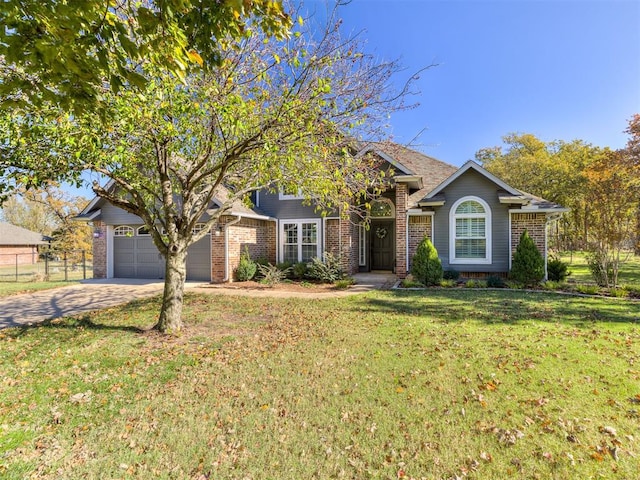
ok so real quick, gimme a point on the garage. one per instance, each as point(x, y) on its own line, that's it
point(135, 256)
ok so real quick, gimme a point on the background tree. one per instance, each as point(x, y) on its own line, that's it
point(274, 114)
point(633, 153)
point(613, 191)
point(51, 211)
point(69, 52)
point(554, 171)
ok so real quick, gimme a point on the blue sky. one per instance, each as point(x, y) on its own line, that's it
point(561, 70)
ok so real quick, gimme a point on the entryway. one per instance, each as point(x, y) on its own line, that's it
point(382, 236)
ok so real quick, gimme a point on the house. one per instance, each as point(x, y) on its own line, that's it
point(473, 218)
point(19, 246)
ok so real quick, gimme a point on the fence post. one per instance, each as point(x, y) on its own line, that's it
point(66, 270)
point(46, 265)
point(84, 265)
point(16, 267)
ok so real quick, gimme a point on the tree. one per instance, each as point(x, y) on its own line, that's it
point(613, 191)
point(632, 151)
point(50, 211)
point(527, 266)
point(426, 266)
point(552, 170)
point(67, 51)
point(274, 115)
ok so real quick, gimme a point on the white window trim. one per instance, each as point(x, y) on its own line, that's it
point(286, 196)
point(123, 231)
point(143, 227)
point(452, 233)
point(362, 245)
point(299, 222)
point(389, 202)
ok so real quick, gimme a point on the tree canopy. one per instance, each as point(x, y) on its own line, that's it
point(73, 52)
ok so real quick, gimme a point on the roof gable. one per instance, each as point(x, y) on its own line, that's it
point(471, 165)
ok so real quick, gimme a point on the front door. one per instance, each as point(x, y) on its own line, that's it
point(382, 244)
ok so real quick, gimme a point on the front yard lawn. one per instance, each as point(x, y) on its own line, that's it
point(14, 288)
point(431, 384)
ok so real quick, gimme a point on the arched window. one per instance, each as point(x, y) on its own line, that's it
point(123, 231)
point(143, 231)
point(382, 208)
point(470, 231)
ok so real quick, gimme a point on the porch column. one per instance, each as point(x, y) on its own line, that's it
point(402, 198)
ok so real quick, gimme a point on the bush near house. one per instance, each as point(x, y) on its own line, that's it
point(528, 265)
point(426, 267)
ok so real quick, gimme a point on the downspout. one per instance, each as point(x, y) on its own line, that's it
point(406, 243)
point(226, 247)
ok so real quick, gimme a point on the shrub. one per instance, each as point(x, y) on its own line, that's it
point(408, 283)
point(619, 292)
point(494, 281)
point(271, 274)
point(551, 285)
point(601, 268)
point(451, 275)
point(344, 283)
point(471, 284)
point(528, 265)
point(448, 283)
point(299, 270)
point(588, 289)
point(426, 267)
point(246, 268)
point(327, 270)
point(557, 270)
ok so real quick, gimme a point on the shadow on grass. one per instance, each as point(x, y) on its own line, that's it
point(501, 307)
point(70, 324)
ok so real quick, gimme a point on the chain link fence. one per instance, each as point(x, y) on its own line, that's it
point(47, 266)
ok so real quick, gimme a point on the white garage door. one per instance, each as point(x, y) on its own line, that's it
point(135, 256)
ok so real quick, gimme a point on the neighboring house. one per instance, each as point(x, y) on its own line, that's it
point(473, 218)
point(19, 246)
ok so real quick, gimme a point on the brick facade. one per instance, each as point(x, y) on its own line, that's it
point(534, 223)
point(348, 245)
point(99, 250)
point(419, 227)
point(402, 197)
point(332, 236)
point(258, 236)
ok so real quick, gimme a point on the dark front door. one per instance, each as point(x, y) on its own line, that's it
point(382, 244)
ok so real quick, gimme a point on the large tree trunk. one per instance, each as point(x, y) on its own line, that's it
point(175, 275)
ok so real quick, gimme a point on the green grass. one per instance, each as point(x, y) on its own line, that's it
point(13, 288)
point(432, 384)
point(629, 269)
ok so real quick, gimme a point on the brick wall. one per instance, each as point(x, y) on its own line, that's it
point(348, 245)
point(332, 236)
point(419, 227)
point(258, 236)
point(99, 250)
point(402, 195)
point(534, 223)
point(23, 255)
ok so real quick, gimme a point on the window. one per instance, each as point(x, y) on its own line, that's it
point(198, 227)
point(123, 231)
point(299, 241)
point(295, 194)
point(143, 231)
point(470, 231)
point(382, 208)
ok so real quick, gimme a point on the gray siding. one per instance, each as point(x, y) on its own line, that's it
point(116, 216)
point(271, 205)
point(473, 183)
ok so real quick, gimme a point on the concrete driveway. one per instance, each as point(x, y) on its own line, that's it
point(29, 308)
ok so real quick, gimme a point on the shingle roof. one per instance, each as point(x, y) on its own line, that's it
point(13, 235)
point(432, 171)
